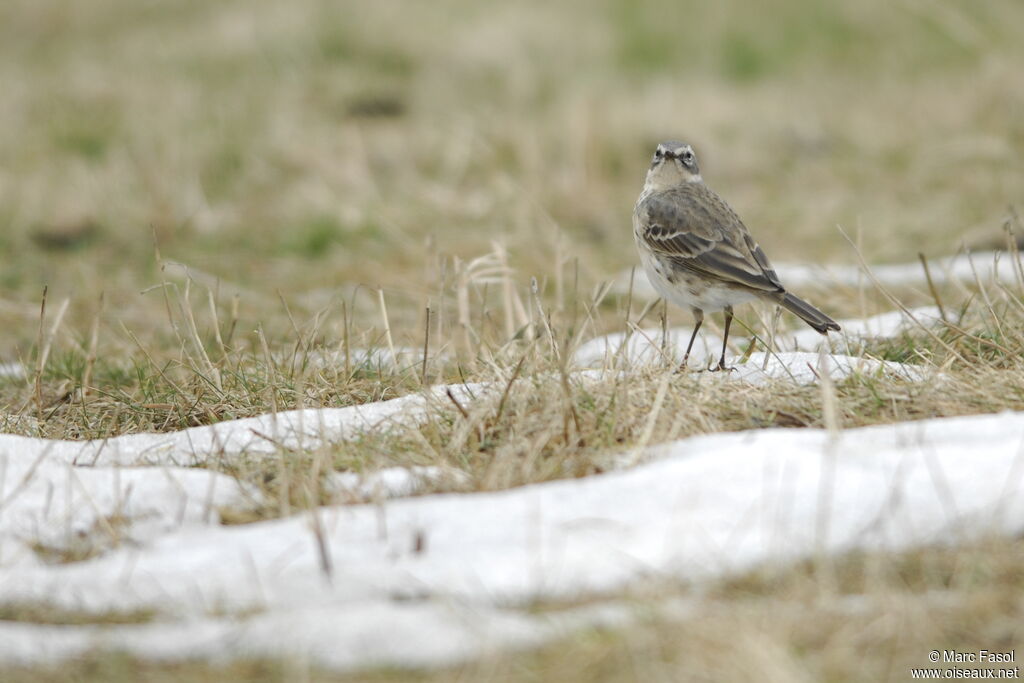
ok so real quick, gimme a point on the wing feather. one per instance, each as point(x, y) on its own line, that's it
point(694, 228)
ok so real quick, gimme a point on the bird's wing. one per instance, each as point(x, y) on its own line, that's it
point(696, 229)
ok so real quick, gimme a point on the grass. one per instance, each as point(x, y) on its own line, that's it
point(537, 427)
point(42, 613)
point(203, 202)
point(105, 534)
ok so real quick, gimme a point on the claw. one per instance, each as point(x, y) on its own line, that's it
point(682, 366)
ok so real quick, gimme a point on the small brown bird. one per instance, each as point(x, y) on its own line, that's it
point(696, 251)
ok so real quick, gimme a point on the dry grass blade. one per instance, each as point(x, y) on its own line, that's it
point(896, 302)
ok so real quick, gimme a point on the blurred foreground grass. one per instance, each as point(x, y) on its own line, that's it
point(868, 617)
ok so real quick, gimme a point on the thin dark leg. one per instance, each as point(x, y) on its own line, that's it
point(698, 317)
point(725, 338)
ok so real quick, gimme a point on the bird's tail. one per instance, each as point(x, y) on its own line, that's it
point(809, 314)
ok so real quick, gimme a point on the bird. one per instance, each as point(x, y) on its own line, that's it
point(696, 251)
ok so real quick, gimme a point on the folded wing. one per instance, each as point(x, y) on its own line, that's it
point(694, 228)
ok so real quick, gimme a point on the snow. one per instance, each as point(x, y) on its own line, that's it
point(62, 508)
point(265, 434)
point(435, 579)
point(388, 482)
point(806, 368)
point(985, 266)
point(394, 577)
point(12, 371)
point(854, 330)
point(66, 496)
point(644, 347)
point(365, 358)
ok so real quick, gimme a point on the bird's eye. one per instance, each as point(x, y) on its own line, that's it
point(658, 153)
point(688, 158)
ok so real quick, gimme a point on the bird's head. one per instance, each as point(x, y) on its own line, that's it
point(674, 163)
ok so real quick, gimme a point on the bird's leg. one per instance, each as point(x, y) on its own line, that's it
point(725, 337)
point(698, 316)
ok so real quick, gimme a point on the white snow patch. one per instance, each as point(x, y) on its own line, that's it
point(269, 433)
point(12, 370)
point(438, 578)
point(335, 636)
point(59, 507)
point(989, 266)
point(806, 368)
point(368, 359)
point(67, 496)
point(986, 266)
point(856, 330)
point(389, 482)
point(646, 347)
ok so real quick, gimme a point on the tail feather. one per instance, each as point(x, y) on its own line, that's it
point(809, 314)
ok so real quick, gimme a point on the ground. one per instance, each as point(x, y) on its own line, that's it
point(213, 211)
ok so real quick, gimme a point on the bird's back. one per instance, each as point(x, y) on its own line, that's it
point(696, 229)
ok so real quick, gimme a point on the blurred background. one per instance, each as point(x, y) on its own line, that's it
point(307, 151)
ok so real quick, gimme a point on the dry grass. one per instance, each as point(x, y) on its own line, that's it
point(217, 197)
point(238, 139)
point(106, 534)
point(534, 421)
point(42, 613)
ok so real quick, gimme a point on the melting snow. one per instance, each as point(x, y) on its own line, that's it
point(984, 266)
point(294, 429)
point(645, 347)
point(435, 579)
